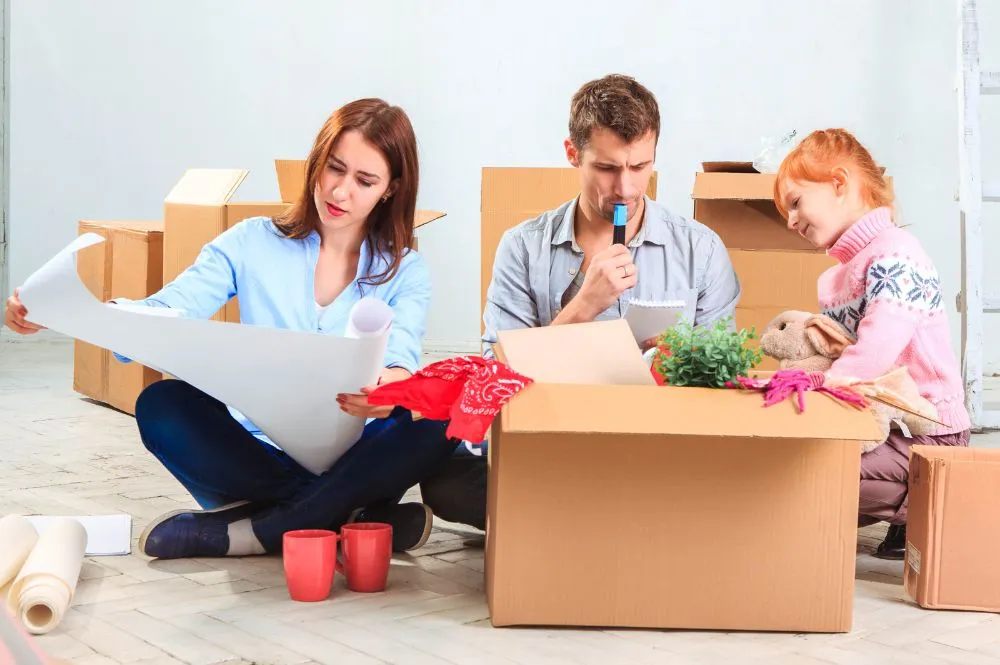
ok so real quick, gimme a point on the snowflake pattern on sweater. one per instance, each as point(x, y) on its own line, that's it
point(892, 280)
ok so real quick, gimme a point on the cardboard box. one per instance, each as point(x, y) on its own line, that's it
point(952, 548)
point(778, 269)
point(614, 502)
point(511, 195)
point(199, 208)
point(128, 264)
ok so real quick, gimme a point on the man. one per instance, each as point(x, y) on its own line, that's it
point(561, 267)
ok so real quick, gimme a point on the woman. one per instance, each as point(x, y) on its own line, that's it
point(348, 236)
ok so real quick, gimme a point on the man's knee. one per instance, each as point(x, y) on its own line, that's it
point(457, 491)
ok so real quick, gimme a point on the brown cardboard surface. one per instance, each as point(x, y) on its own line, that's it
point(785, 279)
point(511, 195)
point(93, 264)
point(660, 531)
point(662, 507)
point(773, 282)
point(199, 208)
point(129, 264)
point(951, 549)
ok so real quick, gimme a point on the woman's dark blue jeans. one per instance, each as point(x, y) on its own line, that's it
point(219, 462)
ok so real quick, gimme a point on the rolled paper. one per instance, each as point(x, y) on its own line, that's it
point(17, 538)
point(43, 590)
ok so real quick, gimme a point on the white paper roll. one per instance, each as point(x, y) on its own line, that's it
point(370, 317)
point(17, 538)
point(44, 588)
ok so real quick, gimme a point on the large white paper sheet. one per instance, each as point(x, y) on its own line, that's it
point(286, 382)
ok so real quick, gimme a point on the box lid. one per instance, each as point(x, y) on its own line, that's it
point(591, 378)
point(738, 181)
point(291, 178)
point(208, 187)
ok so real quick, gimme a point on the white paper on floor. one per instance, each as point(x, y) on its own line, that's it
point(286, 382)
point(107, 535)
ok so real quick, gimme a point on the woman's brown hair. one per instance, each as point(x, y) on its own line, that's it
point(389, 228)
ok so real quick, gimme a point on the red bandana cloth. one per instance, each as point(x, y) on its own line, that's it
point(469, 391)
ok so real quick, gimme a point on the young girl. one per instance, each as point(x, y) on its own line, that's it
point(887, 292)
point(346, 237)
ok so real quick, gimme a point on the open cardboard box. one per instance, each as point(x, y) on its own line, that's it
point(615, 502)
point(200, 207)
point(778, 269)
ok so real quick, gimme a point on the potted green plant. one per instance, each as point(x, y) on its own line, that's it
point(706, 356)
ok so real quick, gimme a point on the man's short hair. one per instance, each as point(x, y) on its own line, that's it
point(616, 102)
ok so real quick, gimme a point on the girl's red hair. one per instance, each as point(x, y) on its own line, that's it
point(815, 158)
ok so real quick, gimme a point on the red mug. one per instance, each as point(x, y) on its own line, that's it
point(366, 548)
point(310, 561)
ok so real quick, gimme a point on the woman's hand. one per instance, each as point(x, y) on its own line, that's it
point(13, 316)
point(357, 404)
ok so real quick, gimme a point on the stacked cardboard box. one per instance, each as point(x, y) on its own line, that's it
point(778, 269)
point(128, 264)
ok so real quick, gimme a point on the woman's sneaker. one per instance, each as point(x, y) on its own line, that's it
point(411, 523)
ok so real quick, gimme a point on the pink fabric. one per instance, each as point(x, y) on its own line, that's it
point(887, 292)
point(783, 383)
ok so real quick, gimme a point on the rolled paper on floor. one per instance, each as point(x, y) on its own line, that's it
point(17, 538)
point(44, 588)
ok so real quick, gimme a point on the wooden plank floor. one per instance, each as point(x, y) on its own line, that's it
point(61, 454)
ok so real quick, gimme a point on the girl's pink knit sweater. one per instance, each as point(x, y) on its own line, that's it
point(887, 292)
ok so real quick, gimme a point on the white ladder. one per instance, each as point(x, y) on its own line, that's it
point(972, 84)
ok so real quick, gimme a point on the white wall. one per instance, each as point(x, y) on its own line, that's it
point(112, 100)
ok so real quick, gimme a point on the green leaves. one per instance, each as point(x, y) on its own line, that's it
point(705, 356)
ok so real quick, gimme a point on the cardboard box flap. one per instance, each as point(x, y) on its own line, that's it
point(291, 179)
point(695, 412)
point(426, 217)
point(735, 185)
point(209, 187)
point(598, 353)
point(728, 167)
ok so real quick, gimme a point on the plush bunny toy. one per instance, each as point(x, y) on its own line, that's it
point(811, 342)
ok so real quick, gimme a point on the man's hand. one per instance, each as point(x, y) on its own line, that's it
point(357, 404)
point(611, 272)
point(13, 316)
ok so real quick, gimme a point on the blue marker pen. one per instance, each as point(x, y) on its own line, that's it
point(620, 219)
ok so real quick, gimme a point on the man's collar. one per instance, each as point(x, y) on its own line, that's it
point(653, 230)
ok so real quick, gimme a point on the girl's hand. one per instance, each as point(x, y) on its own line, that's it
point(357, 404)
point(13, 316)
